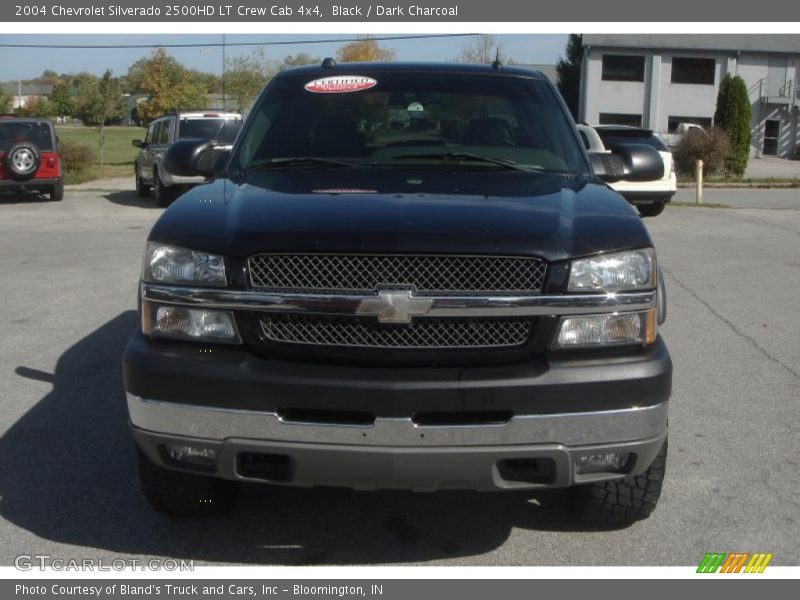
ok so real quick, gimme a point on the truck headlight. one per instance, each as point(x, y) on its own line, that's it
point(183, 323)
point(616, 272)
point(614, 329)
point(172, 264)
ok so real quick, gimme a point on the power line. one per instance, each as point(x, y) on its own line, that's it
point(230, 44)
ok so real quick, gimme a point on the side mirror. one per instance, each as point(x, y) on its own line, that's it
point(137, 143)
point(194, 157)
point(629, 162)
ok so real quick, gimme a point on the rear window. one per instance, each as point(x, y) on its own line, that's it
point(38, 134)
point(221, 130)
point(648, 138)
point(406, 118)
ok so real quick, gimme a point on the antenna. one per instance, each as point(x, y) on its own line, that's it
point(497, 64)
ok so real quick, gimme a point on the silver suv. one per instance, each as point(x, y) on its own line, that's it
point(220, 127)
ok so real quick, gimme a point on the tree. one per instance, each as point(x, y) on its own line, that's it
point(483, 49)
point(298, 60)
point(569, 73)
point(733, 117)
point(100, 101)
point(365, 49)
point(61, 99)
point(168, 88)
point(245, 76)
point(168, 66)
point(37, 107)
point(48, 77)
point(6, 102)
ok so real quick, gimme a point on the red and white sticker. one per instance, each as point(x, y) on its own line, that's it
point(340, 84)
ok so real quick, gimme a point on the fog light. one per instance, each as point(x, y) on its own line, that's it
point(598, 463)
point(607, 330)
point(189, 323)
point(192, 454)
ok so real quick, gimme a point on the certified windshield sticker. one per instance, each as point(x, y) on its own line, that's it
point(341, 84)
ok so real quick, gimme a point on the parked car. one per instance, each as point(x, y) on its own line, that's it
point(403, 276)
point(220, 127)
point(649, 197)
point(671, 140)
point(29, 159)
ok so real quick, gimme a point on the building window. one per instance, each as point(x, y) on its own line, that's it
point(621, 67)
point(699, 71)
point(620, 119)
point(673, 122)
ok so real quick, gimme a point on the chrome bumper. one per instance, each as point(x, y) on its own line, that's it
point(571, 429)
point(396, 453)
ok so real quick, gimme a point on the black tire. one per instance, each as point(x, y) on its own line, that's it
point(164, 195)
point(651, 210)
point(624, 501)
point(22, 160)
point(57, 192)
point(142, 189)
point(184, 494)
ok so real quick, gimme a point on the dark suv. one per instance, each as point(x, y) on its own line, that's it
point(29, 159)
point(403, 276)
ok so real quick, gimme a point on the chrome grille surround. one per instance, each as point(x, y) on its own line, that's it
point(421, 334)
point(427, 275)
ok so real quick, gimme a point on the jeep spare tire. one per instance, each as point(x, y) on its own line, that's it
point(22, 160)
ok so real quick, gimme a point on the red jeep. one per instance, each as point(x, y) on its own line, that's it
point(29, 159)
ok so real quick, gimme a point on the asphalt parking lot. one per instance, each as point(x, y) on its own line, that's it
point(68, 485)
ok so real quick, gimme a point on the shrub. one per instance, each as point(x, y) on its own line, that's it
point(712, 147)
point(76, 160)
point(733, 115)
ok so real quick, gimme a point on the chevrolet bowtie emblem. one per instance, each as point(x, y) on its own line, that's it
point(394, 306)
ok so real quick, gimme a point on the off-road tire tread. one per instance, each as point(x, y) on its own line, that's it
point(624, 501)
point(180, 494)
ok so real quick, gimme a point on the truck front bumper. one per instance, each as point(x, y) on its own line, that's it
point(257, 418)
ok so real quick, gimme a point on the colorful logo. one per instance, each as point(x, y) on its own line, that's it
point(735, 562)
point(340, 84)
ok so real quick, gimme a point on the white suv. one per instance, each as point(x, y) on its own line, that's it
point(221, 127)
point(649, 197)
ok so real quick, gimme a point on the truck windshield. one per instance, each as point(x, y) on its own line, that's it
point(399, 119)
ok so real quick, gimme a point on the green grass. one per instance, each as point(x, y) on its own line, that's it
point(745, 182)
point(695, 205)
point(118, 154)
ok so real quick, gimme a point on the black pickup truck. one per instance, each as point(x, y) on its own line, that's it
point(405, 276)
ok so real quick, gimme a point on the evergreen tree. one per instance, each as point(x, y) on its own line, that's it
point(569, 73)
point(733, 116)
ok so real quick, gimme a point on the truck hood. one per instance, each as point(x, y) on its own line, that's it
point(354, 210)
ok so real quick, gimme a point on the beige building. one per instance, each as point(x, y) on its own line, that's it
point(658, 81)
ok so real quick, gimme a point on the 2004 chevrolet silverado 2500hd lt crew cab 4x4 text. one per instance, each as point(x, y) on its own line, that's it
point(406, 276)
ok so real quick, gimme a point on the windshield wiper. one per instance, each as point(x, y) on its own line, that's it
point(464, 157)
point(298, 161)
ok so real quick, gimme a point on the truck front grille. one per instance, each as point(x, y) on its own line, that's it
point(421, 334)
point(426, 274)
